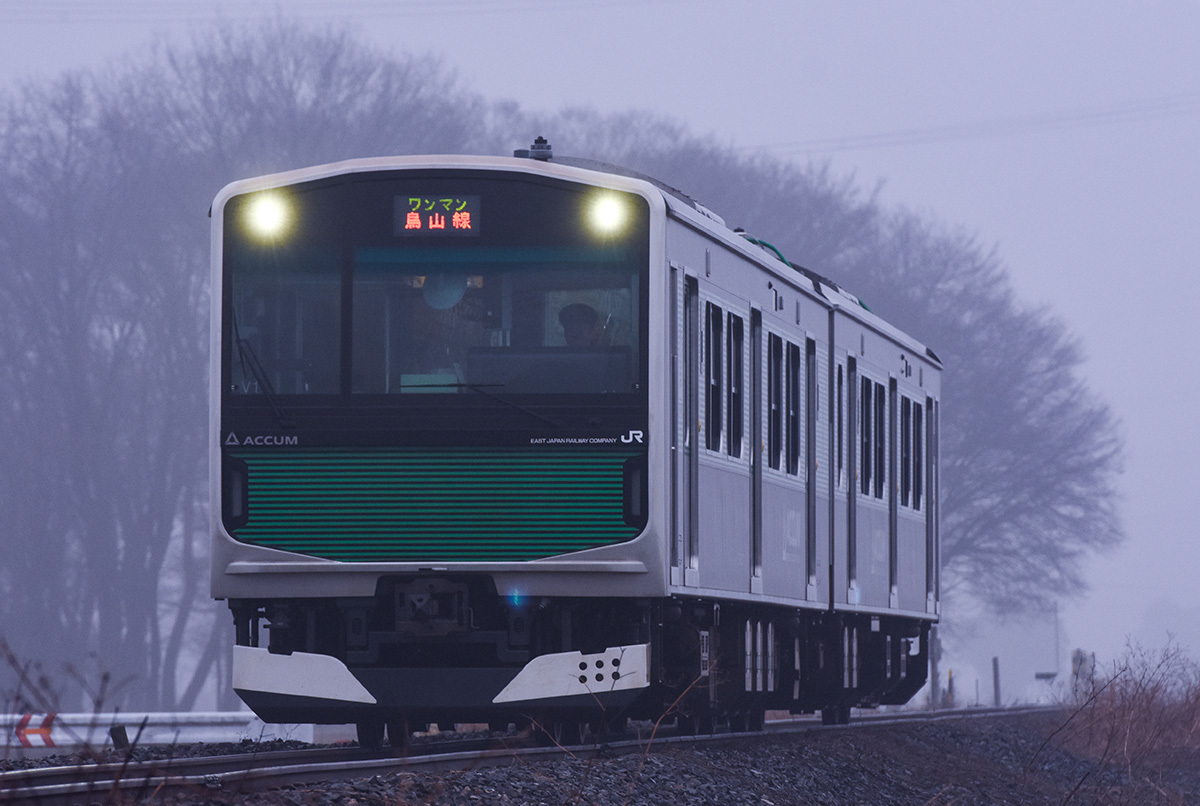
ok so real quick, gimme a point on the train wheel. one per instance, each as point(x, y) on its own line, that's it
point(606, 728)
point(571, 732)
point(370, 734)
point(697, 724)
point(689, 724)
point(562, 733)
point(748, 721)
point(398, 734)
point(835, 714)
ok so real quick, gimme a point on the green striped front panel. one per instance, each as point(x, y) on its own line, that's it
point(435, 505)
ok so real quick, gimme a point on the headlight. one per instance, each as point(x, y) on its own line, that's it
point(608, 214)
point(268, 216)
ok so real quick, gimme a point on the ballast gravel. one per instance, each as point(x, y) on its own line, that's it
point(1006, 760)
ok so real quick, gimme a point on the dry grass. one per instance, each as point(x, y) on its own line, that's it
point(1140, 717)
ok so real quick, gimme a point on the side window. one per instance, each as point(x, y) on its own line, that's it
point(840, 463)
point(713, 319)
point(918, 455)
point(793, 409)
point(812, 407)
point(736, 377)
point(905, 450)
point(866, 420)
point(774, 400)
point(880, 439)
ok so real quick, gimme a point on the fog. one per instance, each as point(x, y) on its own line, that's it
point(1063, 134)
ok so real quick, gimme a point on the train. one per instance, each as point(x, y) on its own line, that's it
point(541, 441)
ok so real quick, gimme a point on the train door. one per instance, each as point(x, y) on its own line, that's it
point(685, 556)
point(723, 491)
point(835, 516)
point(710, 469)
point(811, 406)
point(756, 449)
point(913, 564)
point(872, 534)
point(893, 499)
point(930, 475)
point(852, 459)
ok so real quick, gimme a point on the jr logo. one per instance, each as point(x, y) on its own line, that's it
point(632, 437)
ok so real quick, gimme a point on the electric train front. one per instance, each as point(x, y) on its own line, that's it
point(431, 440)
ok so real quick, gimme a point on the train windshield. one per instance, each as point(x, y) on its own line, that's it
point(436, 283)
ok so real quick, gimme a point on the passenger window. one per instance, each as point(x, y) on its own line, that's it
point(774, 400)
point(839, 425)
point(793, 409)
point(880, 439)
point(905, 449)
point(918, 455)
point(735, 381)
point(812, 407)
point(712, 373)
point(865, 425)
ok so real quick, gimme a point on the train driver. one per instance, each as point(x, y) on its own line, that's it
point(581, 325)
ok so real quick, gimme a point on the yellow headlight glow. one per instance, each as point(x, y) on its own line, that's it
point(268, 216)
point(607, 214)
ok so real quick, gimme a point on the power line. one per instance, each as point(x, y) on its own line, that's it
point(173, 11)
point(1144, 109)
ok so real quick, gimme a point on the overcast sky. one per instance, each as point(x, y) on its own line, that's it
point(1065, 133)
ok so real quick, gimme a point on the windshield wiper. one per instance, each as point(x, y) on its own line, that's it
point(249, 357)
point(483, 391)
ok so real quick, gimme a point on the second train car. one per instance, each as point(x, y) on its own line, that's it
point(540, 440)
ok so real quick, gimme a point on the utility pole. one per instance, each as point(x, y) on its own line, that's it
point(935, 655)
point(996, 681)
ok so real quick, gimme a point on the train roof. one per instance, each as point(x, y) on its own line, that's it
point(541, 152)
point(676, 198)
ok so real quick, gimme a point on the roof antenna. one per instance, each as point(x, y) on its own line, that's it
point(540, 150)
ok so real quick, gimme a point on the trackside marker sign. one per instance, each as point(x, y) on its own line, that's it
point(26, 735)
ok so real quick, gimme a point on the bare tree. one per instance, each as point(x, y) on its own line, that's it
point(1030, 456)
point(822, 218)
point(249, 101)
point(102, 352)
point(104, 180)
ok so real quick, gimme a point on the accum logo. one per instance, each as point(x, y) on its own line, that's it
point(261, 440)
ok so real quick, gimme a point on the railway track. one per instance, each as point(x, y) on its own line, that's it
point(256, 772)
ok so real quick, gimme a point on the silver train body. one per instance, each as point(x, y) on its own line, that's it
point(432, 505)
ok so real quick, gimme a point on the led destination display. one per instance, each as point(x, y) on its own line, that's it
point(449, 215)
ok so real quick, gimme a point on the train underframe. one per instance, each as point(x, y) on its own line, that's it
point(452, 650)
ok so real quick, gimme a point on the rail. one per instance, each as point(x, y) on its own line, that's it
point(259, 771)
point(43, 734)
point(36, 734)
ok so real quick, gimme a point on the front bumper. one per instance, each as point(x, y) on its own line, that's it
point(306, 687)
